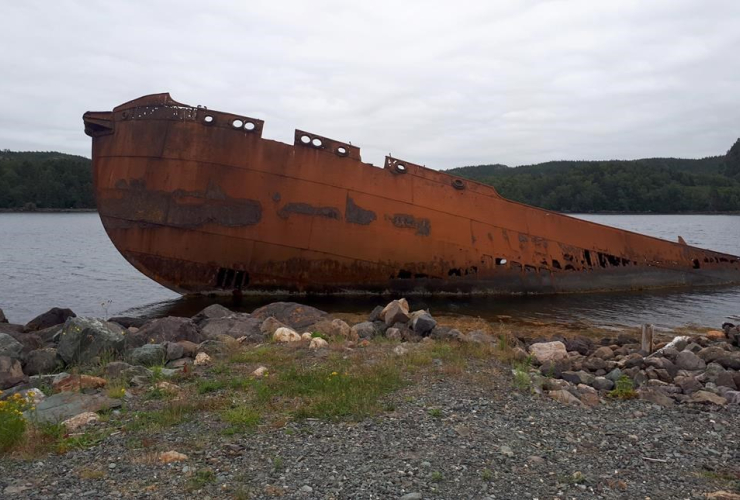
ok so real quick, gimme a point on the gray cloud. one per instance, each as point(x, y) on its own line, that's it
point(434, 83)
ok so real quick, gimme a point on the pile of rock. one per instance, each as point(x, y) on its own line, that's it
point(58, 339)
point(700, 369)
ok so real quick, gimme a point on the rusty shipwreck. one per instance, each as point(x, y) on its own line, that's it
point(198, 201)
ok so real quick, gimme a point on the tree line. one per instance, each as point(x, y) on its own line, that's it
point(51, 180)
point(47, 180)
point(658, 185)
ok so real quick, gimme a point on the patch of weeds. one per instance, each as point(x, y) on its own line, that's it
point(86, 473)
point(207, 386)
point(82, 441)
point(435, 413)
point(116, 391)
point(173, 413)
point(436, 477)
point(522, 380)
point(12, 421)
point(277, 463)
point(318, 335)
point(624, 389)
point(240, 383)
point(241, 419)
point(333, 390)
point(486, 474)
point(221, 369)
point(155, 394)
point(157, 375)
point(200, 479)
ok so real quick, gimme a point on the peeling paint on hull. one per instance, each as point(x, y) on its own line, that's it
point(198, 201)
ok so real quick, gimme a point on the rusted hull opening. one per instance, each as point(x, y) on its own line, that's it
point(198, 201)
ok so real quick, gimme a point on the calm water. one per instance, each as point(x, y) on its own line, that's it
point(67, 260)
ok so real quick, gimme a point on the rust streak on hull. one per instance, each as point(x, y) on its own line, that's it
point(198, 201)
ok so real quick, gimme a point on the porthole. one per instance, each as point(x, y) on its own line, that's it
point(458, 184)
point(237, 123)
point(317, 143)
point(249, 126)
point(305, 139)
point(401, 168)
point(208, 119)
point(342, 151)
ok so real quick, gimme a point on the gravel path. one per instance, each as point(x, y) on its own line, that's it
point(446, 436)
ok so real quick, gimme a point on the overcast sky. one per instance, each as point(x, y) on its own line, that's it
point(443, 84)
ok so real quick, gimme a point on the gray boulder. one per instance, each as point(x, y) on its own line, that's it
point(581, 345)
point(214, 348)
point(602, 384)
point(42, 361)
point(236, 326)
point(54, 316)
point(726, 379)
point(10, 347)
point(365, 330)
point(445, 333)
point(730, 360)
point(709, 354)
point(614, 375)
point(84, 339)
point(375, 314)
point(64, 405)
point(579, 377)
point(169, 329)
point(148, 355)
point(127, 321)
point(175, 350)
point(3, 319)
point(594, 364)
point(687, 360)
point(423, 323)
point(555, 367)
point(11, 372)
point(296, 316)
point(212, 312)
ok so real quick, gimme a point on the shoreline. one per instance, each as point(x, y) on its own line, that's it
point(391, 404)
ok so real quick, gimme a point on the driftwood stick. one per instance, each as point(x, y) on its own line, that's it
point(647, 339)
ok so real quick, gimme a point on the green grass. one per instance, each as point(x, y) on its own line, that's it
point(200, 479)
point(332, 391)
point(435, 413)
point(206, 386)
point(624, 388)
point(241, 419)
point(436, 477)
point(522, 379)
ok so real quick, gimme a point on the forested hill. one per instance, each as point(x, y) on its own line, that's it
point(50, 180)
point(661, 185)
point(45, 180)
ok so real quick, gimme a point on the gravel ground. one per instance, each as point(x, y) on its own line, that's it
point(447, 436)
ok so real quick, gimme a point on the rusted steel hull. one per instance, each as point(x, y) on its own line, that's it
point(198, 201)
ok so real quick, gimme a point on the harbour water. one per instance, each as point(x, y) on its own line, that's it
point(66, 260)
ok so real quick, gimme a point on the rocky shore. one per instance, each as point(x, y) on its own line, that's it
point(290, 401)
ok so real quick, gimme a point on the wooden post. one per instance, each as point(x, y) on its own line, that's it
point(647, 339)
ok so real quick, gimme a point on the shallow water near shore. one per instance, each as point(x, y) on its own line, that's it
point(66, 260)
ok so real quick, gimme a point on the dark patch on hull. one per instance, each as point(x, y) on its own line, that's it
point(306, 209)
point(423, 226)
point(142, 206)
point(358, 215)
